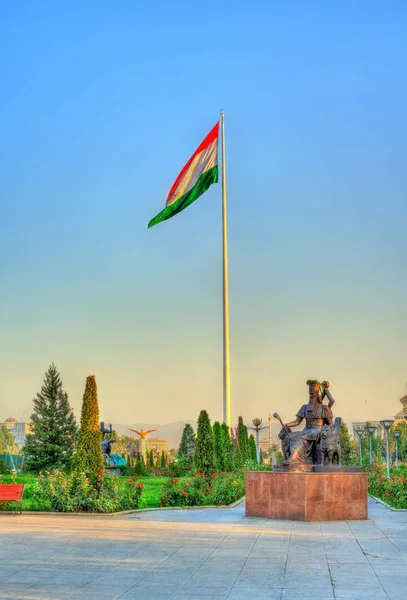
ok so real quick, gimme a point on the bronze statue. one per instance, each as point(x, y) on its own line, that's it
point(107, 444)
point(142, 433)
point(329, 444)
point(304, 447)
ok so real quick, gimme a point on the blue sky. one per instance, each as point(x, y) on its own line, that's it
point(102, 103)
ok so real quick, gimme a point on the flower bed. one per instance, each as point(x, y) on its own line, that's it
point(200, 490)
point(391, 490)
point(60, 492)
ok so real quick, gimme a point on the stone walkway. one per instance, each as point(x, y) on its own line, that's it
point(212, 553)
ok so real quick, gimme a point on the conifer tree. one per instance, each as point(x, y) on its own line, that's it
point(186, 447)
point(219, 447)
point(346, 443)
point(252, 448)
point(52, 441)
point(139, 462)
point(238, 460)
point(163, 459)
point(88, 456)
point(228, 447)
point(242, 439)
point(151, 459)
point(204, 453)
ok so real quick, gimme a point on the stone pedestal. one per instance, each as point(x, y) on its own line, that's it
point(307, 496)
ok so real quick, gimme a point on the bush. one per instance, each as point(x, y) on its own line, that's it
point(181, 468)
point(4, 469)
point(394, 490)
point(203, 490)
point(252, 465)
point(61, 492)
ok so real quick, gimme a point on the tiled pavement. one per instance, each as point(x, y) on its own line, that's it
point(214, 554)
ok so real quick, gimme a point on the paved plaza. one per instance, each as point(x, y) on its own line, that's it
point(208, 553)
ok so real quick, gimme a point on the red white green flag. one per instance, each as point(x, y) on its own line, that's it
point(195, 178)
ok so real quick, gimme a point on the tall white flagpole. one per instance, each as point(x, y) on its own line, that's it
point(226, 347)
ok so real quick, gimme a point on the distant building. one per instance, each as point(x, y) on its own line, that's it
point(402, 414)
point(399, 417)
point(264, 444)
point(18, 429)
point(156, 445)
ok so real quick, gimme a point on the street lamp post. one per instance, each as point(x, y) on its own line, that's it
point(397, 434)
point(387, 423)
point(360, 432)
point(257, 427)
point(371, 429)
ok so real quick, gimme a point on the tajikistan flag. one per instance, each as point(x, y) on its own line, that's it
point(197, 175)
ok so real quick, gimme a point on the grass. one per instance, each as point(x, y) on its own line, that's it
point(150, 497)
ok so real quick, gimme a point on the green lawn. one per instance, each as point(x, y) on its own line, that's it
point(150, 497)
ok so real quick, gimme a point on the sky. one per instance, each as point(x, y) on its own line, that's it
point(102, 103)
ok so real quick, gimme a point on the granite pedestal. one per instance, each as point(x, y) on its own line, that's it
point(333, 495)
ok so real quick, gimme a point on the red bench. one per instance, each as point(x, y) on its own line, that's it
point(12, 492)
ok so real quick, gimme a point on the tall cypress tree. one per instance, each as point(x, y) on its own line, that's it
point(52, 441)
point(163, 459)
point(237, 458)
point(204, 453)
point(186, 447)
point(88, 456)
point(242, 440)
point(228, 447)
point(252, 448)
point(151, 459)
point(219, 448)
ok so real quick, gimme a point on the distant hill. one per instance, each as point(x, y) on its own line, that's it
point(173, 431)
point(170, 431)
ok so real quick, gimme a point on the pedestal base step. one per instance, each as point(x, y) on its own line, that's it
point(307, 496)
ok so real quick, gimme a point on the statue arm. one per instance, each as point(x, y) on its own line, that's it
point(294, 423)
point(326, 392)
point(331, 400)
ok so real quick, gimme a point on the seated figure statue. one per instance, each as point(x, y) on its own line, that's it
point(303, 447)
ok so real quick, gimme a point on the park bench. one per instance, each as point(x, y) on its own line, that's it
point(12, 492)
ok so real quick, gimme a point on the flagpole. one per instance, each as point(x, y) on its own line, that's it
point(226, 348)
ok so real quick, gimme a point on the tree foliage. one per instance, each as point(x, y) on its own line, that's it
point(242, 439)
point(252, 448)
point(88, 456)
point(52, 441)
point(163, 459)
point(204, 452)
point(229, 448)
point(8, 442)
point(128, 444)
point(187, 444)
point(347, 445)
point(218, 445)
